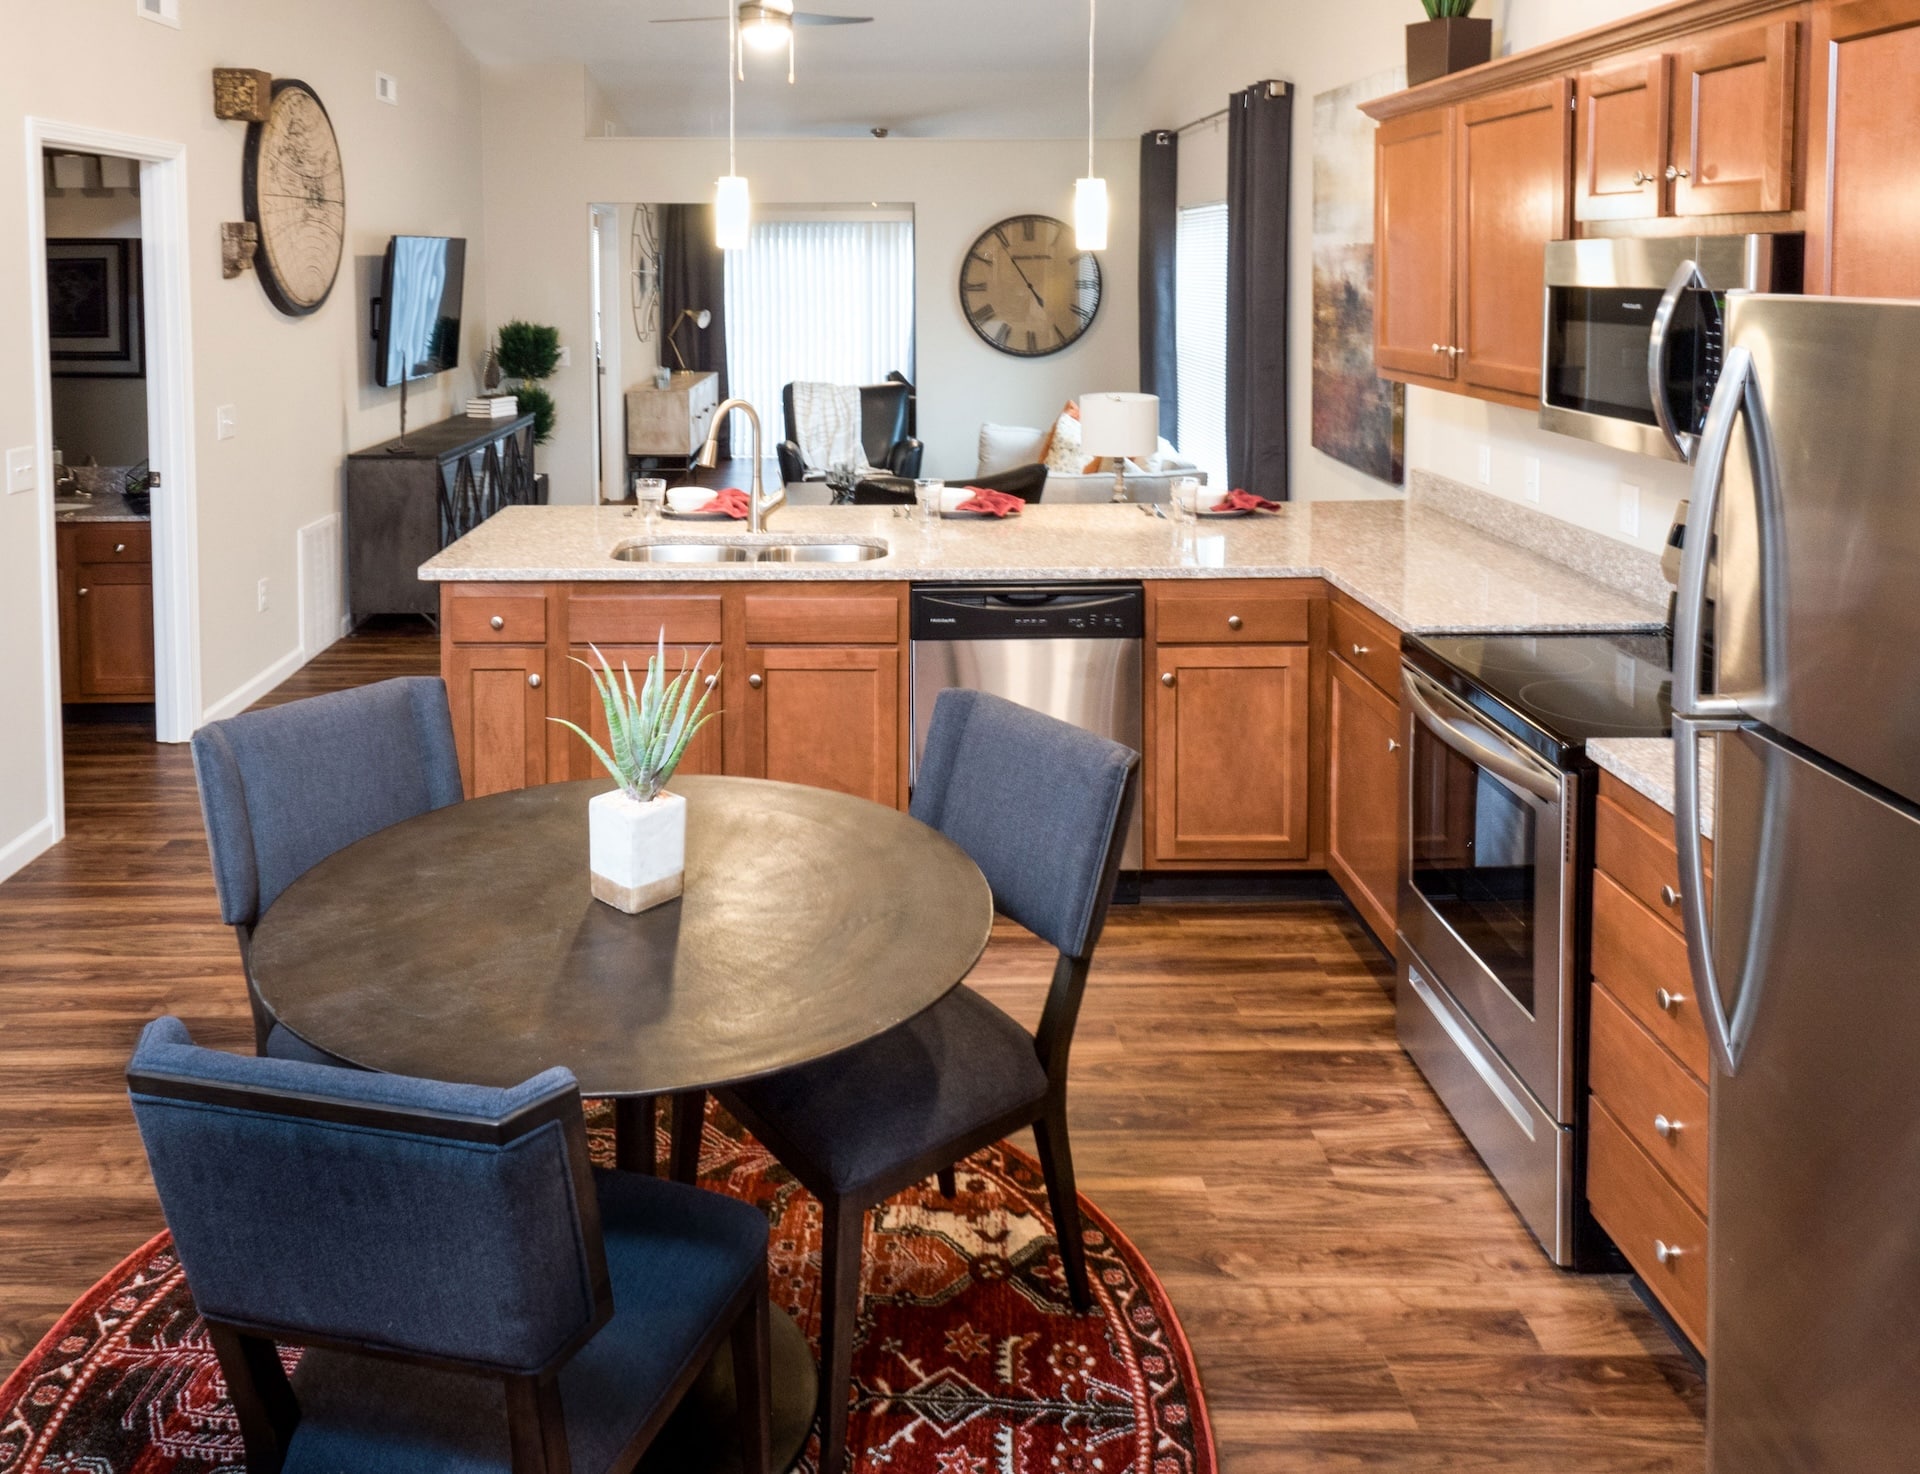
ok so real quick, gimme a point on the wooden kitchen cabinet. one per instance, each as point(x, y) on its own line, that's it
point(1363, 796)
point(106, 611)
point(582, 706)
point(1623, 116)
point(1863, 212)
point(498, 696)
point(1414, 281)
point(828, 717)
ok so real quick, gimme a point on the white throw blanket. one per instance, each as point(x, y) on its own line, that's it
point(826, 427)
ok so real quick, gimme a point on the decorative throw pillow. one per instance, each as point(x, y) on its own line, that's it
point(1064, 456)
point(1003, 447)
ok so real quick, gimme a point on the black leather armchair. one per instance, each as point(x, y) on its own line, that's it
point(886, 430)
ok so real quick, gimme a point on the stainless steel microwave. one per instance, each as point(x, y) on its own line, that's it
point(1631, 347)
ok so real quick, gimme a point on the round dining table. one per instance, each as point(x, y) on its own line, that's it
point(464, 945)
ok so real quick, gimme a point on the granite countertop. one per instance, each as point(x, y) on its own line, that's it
point(1421, 570)
point(1645, 764)
point(103, 506)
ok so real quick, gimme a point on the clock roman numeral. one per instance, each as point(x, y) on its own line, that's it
point(1001, 236)
point(1085, 283)
point(1033, 343)
point(981, 314)
point(1061, 334)
point(1005, 332)
point(973, 286)
point(1026, 228)
point(983, 260)
point(1084, 314)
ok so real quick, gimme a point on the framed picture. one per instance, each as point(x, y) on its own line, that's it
point(94, 313)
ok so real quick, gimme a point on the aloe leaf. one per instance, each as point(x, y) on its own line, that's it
point(598, 751)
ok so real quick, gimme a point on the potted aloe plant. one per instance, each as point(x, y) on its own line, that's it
point(1448, 40)
point(637, 834)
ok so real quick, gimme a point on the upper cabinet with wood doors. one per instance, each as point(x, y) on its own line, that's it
point(1863, 215)
point(1413, 261)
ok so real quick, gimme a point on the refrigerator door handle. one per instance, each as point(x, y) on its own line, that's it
point(1686, 275)
point(1735, 391)
point(1696, 912)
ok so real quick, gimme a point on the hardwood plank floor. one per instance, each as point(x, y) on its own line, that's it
point(1358, 1293)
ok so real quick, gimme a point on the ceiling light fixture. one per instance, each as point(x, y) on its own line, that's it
point(1090, 193)
point(732, 208)
point(766, 26)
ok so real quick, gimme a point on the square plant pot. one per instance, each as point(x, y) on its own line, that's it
point(637, 852)
point(1438, 47)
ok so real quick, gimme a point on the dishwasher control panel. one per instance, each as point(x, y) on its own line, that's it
point(1028, 612)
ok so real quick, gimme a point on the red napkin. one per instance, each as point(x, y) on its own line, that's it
point(732, 502)
point(993, 503)
point(1245, 501)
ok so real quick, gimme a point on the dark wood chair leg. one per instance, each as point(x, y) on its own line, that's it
point(689, 1120)
point(262, 1398)
point(1056, 1161)
point(633, 1134)
point(536, 1427)
point(948, 1187)
point(752, 1345)
point(844, 1225)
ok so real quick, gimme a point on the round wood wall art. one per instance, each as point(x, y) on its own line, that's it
point(296, 193)
point(1027, 289)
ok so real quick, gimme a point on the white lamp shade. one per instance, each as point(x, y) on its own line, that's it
point(1090, 214)
point(1119, 425)
point(732, 213)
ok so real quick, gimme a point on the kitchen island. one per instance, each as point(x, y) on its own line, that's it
point(1272, 729)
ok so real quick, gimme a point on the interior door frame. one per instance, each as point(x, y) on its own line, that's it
point(171, 452)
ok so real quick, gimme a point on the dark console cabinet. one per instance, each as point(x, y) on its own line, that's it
point(404, 504)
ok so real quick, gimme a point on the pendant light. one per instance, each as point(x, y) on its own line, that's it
point(1090, 194)
point(732, 208)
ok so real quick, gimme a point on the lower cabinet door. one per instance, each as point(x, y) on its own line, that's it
point(827, 717)
point(1230, 768)
point(582, 706)
point(113, 609)
point(1363, 797)
point(499, 699)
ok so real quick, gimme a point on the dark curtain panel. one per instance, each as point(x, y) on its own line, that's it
point(1159, 226)
point(1259, 182)
point(693, 273)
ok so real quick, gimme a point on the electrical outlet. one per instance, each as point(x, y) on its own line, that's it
point(1532, 479)
point(1629, 504)
point(223, 422)
point(566, 357)
point(20, 475)
point(1486, 465)
point(261, 597)
point(385, 89)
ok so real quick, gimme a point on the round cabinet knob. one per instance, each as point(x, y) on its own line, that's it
point(1666, 1130)
point(119, 547)
point(1166, 678)
point(1639, 178)
point(1393, 744)
point(712, 681)
point(1674, 171)
point(1361, 650)
point(497, 622)
point(1233, 621)
point(1439, 347)
point(83, 593)
point(534, 680)
point(1668, 1001)
point(1669, 895)
point(1666, 1253)
point(755, 682)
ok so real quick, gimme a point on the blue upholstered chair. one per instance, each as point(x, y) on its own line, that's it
point(282, 789)
point(472, 1294)
point(1042, 807)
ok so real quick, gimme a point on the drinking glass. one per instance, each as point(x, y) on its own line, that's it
point(927, 494)
point(648, 493)
point(1184, 499)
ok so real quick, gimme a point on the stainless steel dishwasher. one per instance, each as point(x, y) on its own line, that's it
point(1071, 650)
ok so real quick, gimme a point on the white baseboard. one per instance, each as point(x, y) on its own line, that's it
point(22, 852)
point(235, 702)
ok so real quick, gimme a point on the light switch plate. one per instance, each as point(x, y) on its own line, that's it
point(566, 357)
point(223, 423)
point(1629, 504)
point(20, 475)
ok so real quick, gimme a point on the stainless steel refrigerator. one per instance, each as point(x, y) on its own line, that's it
point(1806, 952)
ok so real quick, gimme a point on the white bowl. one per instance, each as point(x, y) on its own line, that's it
point(688, 498)
point(953, 498)
point(1200, 498)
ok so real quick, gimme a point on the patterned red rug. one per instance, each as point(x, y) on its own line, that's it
point(971, 1360)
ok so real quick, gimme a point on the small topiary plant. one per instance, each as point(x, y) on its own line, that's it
point(526, 350)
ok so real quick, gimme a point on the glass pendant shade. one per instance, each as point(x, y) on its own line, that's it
point(731, 213)
point(1090, 214)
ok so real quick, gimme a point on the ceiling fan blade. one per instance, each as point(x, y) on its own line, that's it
point(814, 18)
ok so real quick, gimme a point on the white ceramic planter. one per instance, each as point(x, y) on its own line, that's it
point(637, 852)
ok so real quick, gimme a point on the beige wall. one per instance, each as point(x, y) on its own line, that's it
point(1219, 46)
point(300, 386)
point(543, 172)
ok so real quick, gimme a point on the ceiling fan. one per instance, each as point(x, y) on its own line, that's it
point(767, 25)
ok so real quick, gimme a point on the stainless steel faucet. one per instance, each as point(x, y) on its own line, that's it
point(758, 505)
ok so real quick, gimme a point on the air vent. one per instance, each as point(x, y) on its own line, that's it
point(167, 12)
point(385, 89)
point(322, 607)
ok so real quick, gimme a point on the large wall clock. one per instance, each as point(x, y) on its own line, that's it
point(296, 194)
point(1025, 287)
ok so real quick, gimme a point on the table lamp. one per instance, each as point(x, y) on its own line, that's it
point(1119, 426)
point(701, 319)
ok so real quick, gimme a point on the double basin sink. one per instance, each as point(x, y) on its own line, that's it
point(750, 548)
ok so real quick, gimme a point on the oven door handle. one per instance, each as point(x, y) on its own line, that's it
point(1455, 727)
point(1685, 276)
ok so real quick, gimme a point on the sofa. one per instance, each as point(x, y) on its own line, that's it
point(1004, 448)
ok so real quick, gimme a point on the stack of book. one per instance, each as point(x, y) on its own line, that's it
point(493, 407)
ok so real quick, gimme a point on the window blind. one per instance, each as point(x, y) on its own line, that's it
point(1200, 316)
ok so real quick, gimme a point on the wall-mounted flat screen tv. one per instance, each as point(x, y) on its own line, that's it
point(418, 333)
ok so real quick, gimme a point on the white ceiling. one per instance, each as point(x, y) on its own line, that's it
point(924, 68)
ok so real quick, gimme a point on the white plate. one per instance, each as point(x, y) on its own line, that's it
point(972, 516)
point(699, 516)
point(1228, 512)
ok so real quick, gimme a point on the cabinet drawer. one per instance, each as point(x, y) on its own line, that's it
point(1657, 1103)
point(638, 619)
point(1643, 1212)
point(1640, 862)
point(1635, 956)
point(1232, 619)
point(1367, 644)
point(113, 542)
point(497, 619)
point(852, 619)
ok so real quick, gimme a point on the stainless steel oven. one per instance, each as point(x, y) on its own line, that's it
point(1631, 347)
point(1487, 916)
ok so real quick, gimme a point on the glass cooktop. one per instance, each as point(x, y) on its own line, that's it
point(1571, 687)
